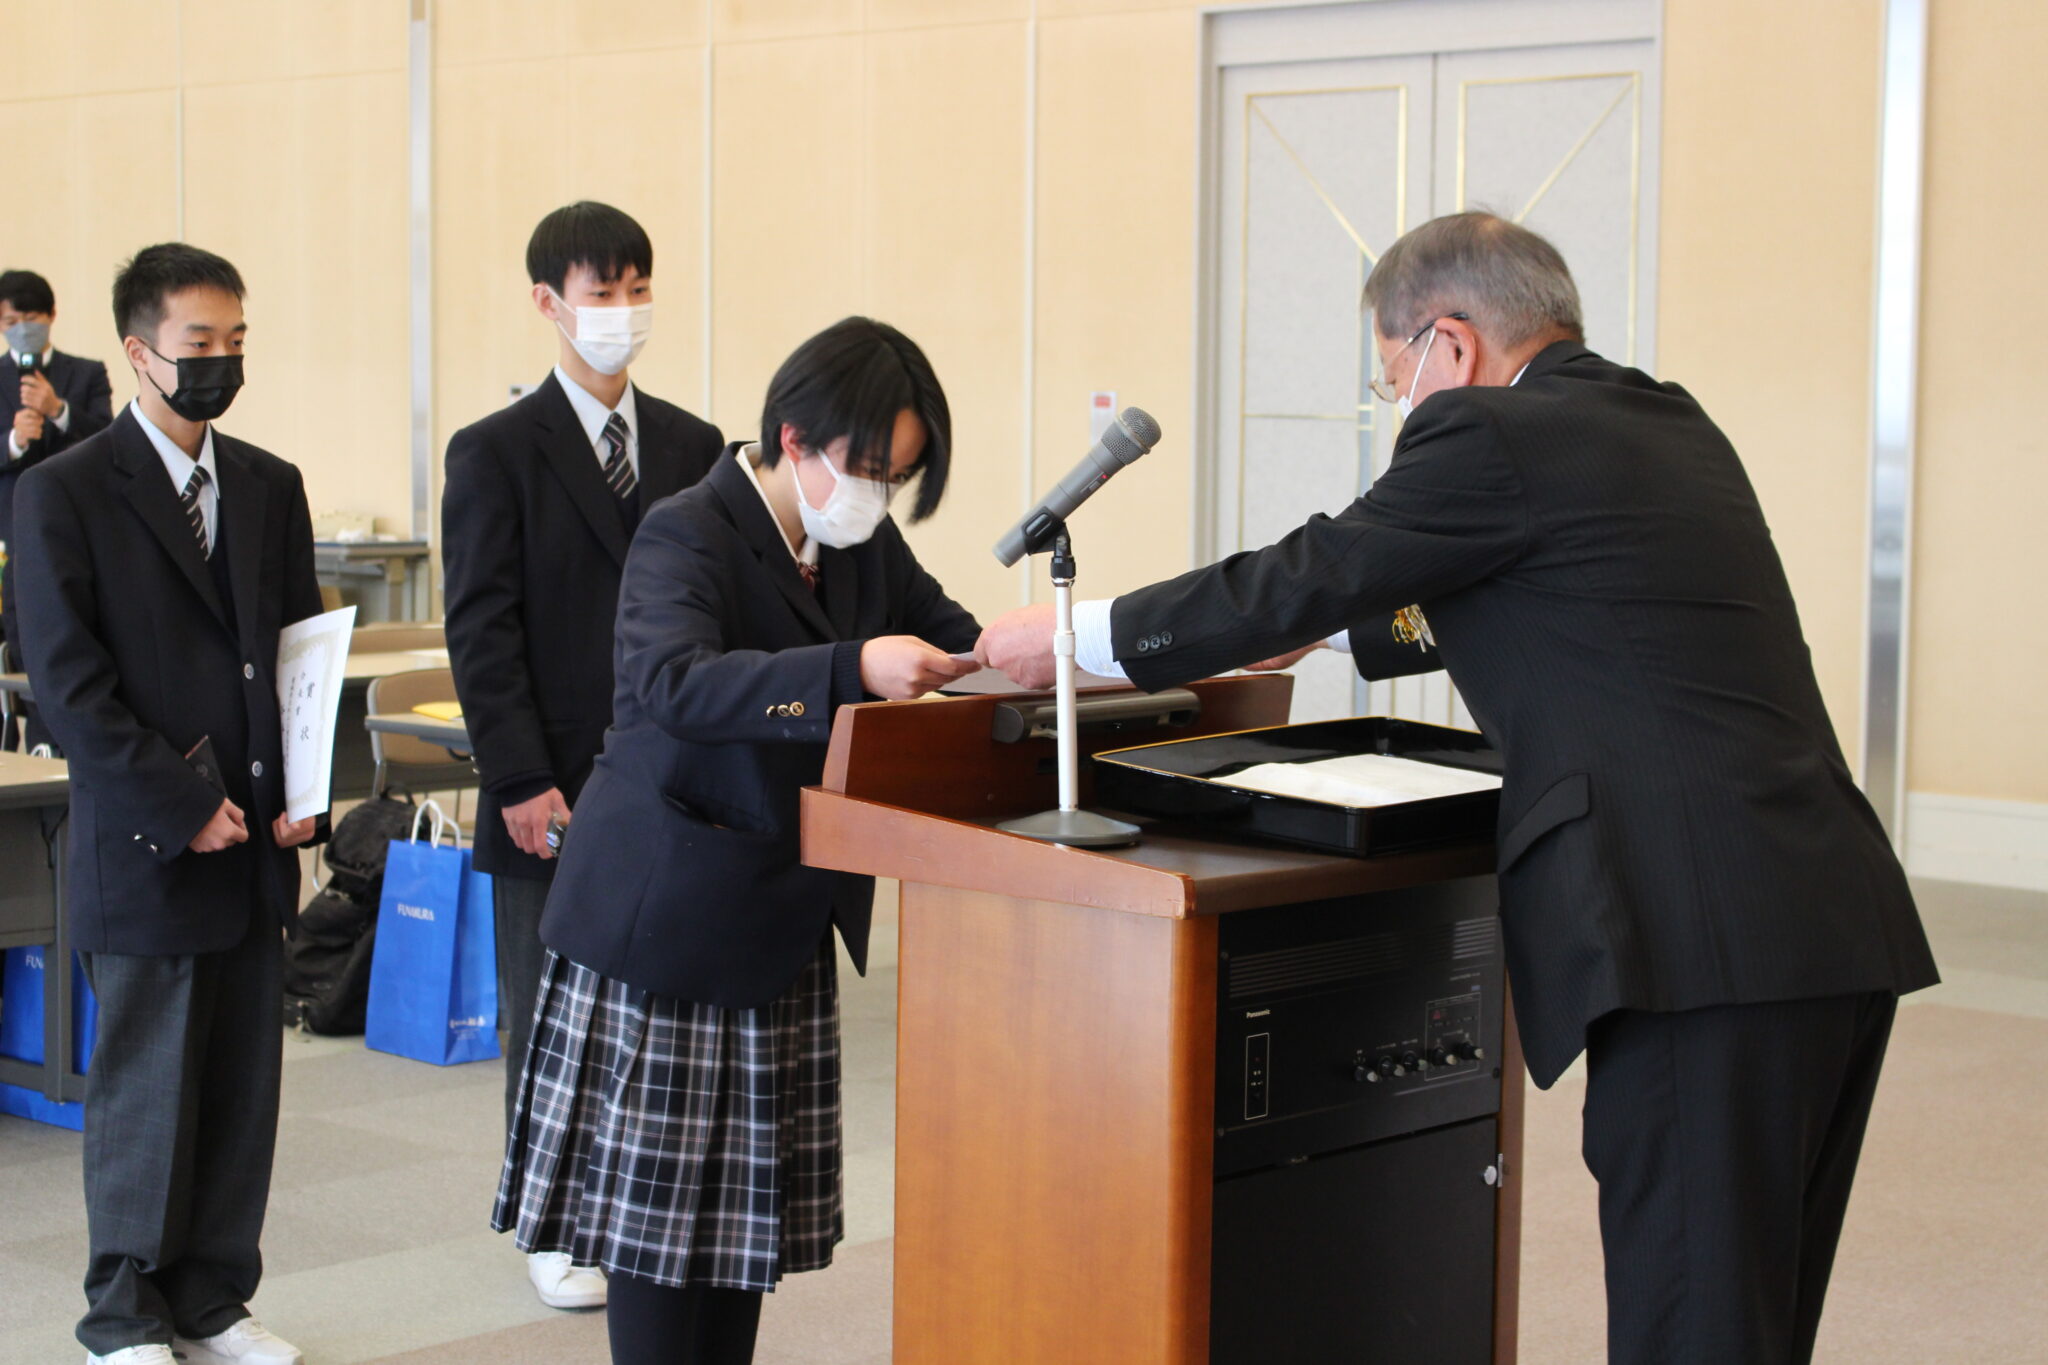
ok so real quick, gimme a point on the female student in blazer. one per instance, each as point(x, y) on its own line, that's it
point(679, 1119)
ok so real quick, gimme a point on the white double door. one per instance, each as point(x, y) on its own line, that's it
point(1320, 165)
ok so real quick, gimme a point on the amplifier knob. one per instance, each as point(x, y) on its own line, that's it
point(1413, 1062)
point(1470, 1051)
point(1441, 1056)
point(1388, 1067)
point(1364, 1071)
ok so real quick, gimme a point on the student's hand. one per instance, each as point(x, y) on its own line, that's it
point(1288, 660)
point(1020, 643)
point(900, 667)
point(527, 822)
point(226, 829)
point(290, 834)
point(28, 426)
point(36, 393)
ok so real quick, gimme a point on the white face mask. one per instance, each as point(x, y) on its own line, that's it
point(609, 339)
point(1406, 402)
point(857, 506)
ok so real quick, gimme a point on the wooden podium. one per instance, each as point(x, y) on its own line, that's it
point(1058, 1127)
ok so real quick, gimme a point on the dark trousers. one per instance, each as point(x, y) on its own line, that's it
point(180, 1129)
point(1725, 1141)
point(516, 904)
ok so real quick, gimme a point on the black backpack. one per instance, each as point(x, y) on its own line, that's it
point(327, 957)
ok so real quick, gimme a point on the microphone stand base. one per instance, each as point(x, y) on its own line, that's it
point(1075, 828)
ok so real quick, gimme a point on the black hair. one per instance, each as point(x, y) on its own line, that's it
point(851, 380)
point(153, 274)
point(27, 291)
point(595, 236)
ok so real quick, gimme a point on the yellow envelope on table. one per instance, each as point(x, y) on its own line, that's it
point(439, 710)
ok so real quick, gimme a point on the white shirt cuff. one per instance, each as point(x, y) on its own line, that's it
point(63, 418)
point(14, 450)
point(1094, 648)
point(1341, 642)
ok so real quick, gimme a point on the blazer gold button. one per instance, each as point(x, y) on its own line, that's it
point(769, 712)
point(782, 710)
point(796, 708)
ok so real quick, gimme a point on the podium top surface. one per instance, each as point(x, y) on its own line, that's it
point(26, 781)
point(913, 790)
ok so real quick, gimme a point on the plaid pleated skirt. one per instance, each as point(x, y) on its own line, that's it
point(678, 1142)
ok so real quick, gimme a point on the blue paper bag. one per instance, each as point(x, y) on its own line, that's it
point(22, 992)
point(434, 972)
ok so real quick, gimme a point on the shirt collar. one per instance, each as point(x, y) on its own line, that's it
point(176, 462)
point(746, 455)
point(593, 414)
point(1518, 374)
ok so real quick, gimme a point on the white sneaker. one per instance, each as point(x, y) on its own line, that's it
point(248, 1342)
point(562, 1285)
point(135, 1355)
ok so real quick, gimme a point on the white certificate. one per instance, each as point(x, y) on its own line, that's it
point(1362, 780)
point(311, 659)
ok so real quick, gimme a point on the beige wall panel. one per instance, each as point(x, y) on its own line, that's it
point(739, 21)
point(638, 25)
point(501, 160)
point(787, 166)
point(660, 181)
point(302, 185)
point(86, 47)
point(226, 41)
point(1115, 278)
point(887, 14)
point(1979, 718)
point(1765, 281)
point(945, 227)
point(119, 192)
point(502, 30)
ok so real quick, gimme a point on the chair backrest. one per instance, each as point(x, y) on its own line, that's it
point(401, 692)
point(391, 637)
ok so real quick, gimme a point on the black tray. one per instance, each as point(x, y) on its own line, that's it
point(1189, 779)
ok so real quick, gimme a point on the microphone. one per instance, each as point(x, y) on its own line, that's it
point(28, 362)
point(1128, 437)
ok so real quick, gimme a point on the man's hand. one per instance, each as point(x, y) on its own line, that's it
point(1020, 644)
point(900, 667)
point(28, 426)
point(528, 822)
point(1289, 660)
point(226, 829)
point(36, 393)
point(290, 834)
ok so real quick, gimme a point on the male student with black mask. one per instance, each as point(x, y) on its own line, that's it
point(160, 561)
point(541, 500)
point(50, 401)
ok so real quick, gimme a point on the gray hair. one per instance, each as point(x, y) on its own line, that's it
point(1512, 283)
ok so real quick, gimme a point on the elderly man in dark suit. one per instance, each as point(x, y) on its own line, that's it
point(50, 401)
point(1693, 890)
point(161, 560)
point(541, 501)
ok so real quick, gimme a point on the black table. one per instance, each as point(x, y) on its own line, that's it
point(35, 797)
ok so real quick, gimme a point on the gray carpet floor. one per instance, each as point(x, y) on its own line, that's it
point(377, 1247)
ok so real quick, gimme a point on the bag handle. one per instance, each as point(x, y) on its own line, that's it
point(42, 751)
point(442, 824)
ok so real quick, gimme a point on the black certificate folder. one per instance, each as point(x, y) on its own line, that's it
point(1190, 780)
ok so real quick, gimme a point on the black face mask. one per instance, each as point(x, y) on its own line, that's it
point(206, 384)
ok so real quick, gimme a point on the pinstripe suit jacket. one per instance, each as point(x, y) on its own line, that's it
point(1678, 827)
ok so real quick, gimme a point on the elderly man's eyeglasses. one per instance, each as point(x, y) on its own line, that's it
point(1383, 387)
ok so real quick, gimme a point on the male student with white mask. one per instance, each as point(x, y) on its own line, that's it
point(541, 501)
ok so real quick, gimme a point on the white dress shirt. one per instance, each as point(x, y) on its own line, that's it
point(594, 414)
point(1095, 649)
point(179, 466)
point(62, 421)
point(748, 455)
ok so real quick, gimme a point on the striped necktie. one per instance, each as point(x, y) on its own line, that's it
point(194, 513)
point(618, 470)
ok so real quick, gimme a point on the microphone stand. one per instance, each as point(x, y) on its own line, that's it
point(1069, 824)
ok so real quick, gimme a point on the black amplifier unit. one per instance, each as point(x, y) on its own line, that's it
point(1357, 1101)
